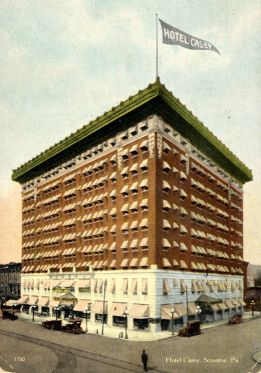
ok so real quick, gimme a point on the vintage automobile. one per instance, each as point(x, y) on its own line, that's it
point(52, 324)
point(9, 314)
point(73, 326)
point(193, 328)
point(236, 319)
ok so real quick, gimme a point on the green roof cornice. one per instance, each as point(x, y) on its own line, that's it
point(153, 91)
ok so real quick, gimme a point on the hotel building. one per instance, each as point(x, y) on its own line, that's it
point(141, 211)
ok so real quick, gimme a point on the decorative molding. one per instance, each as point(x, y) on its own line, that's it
point(189, 124)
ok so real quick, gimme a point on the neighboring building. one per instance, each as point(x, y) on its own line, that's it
point(10, 280)
point(253, 291)
point(136, 210)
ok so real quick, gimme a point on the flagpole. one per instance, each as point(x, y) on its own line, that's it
point(157, 53)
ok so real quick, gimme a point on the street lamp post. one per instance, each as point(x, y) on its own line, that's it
point(33, 309)
point(86, 318)
point(172, 320)
point(252, 306)
point(198, 311)
point(56, 312)
point(126, 325)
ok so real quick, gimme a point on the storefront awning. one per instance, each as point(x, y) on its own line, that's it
point(229, 304)
point(82, 305)
point(207, 299)
point(98, 307)
point(23, 300)
point(140, 311)
point(222, 306)
point(180, 309)
point(54, 303)
point(43, 301)
point(235, 302)
point(215, 307)
point(241, 302)
point(166, 312)
point(10, 302)
point(118, 309)
point(33, 300)
point(192, 309)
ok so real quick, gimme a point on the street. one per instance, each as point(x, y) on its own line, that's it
point(28, 347)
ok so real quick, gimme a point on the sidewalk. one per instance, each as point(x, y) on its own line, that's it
point(133, 335)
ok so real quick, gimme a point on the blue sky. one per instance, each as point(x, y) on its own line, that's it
point(65, 62)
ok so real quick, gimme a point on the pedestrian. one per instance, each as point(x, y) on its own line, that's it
point(144, 359)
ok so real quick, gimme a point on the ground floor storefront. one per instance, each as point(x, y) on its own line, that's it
point(149, 300)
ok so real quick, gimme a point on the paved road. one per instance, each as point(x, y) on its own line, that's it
point(217, 350)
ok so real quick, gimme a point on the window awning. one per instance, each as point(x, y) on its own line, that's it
point(140, 311)
point(144, 223)
point(124, 244)
point(166, 243)
point(144, 262)
point(166, 224)
point(124, 288)
point(113, 176)
point(166, 262)
point(166, 204)
point(118, 309)
point(100, 307)
point(183, 229)
point(166, 287)
point(166, 185)
point(134, 224)
point(134, 205)
point(144, 164)
point(144, 242)
point(144, 285)
point(134, 148)
point(183, 264)
point(134, 262)
point(134, 167)
point(113, 246)
point(82, 305)
point(124, 226)
point(113, 264)
point(124, 263)
point(134, 243)
point(113, 229)
point(133, 288)
point(144, 144)
point(166, 166)
point(183, 246)
point(124, 189)
point(113, 193)
point(134, 186)
point(144, 203)
point(125, 208)
point(241, 302)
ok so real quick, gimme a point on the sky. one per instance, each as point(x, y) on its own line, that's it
point(63, 63)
